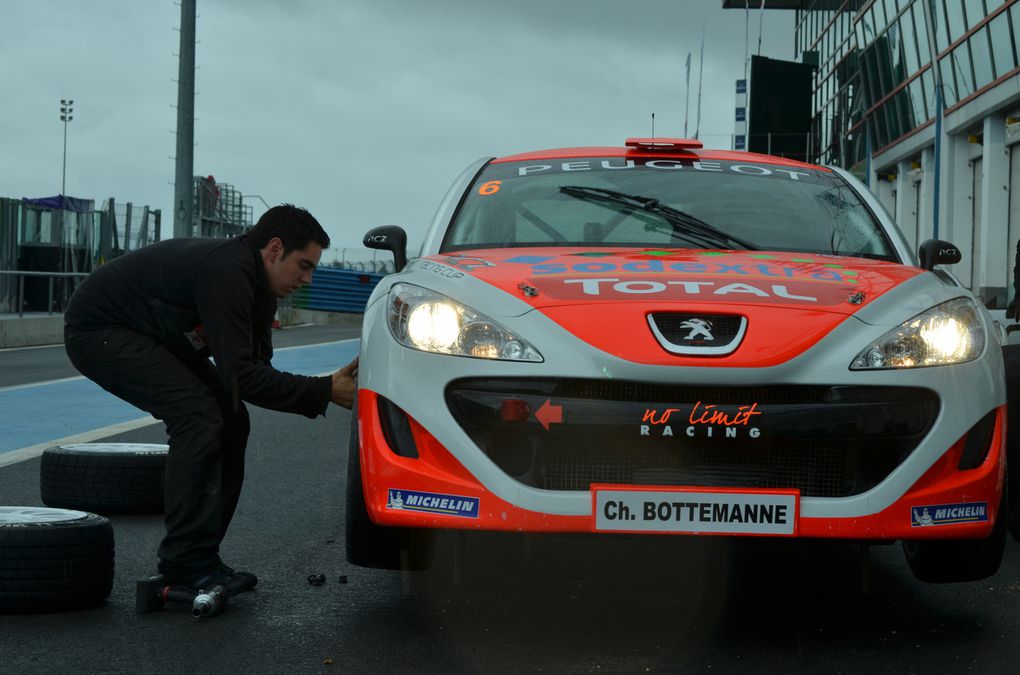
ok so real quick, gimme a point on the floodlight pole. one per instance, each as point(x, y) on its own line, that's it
point(66, 116)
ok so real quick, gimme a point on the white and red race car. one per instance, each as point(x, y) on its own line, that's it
point(664, 339)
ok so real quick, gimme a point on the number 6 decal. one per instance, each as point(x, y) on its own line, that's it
point(490, 188)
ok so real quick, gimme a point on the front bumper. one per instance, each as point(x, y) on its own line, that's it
point(435, 490)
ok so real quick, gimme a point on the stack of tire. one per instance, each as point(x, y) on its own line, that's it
point(62, 558)
point(108, 478)
point(53, 559)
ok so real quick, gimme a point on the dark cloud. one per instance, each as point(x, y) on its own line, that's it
point(363, 111)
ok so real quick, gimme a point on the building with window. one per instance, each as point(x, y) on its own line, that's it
point(921, 99)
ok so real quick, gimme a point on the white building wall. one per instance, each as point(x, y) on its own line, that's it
point(956, 203)
point(975, 210)
point(977, 251)
point(926, 196)
point(885, 190)
point(993, 208)
point(906, 202)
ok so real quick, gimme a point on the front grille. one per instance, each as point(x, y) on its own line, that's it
point(814, 471)
point(671, 324)
point(691, 333)
point(823, 441)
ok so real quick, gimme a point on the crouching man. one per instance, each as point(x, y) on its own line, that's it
point(143, 326)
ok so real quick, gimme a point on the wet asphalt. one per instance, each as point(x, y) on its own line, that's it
point(603, 604)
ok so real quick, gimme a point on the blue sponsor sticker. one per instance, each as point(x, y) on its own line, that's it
point(432, 502)
point(947, 514)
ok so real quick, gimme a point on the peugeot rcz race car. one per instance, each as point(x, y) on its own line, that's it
point(664, 339)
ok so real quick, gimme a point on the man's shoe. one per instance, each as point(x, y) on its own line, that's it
point(219, 576)
point(250, 579)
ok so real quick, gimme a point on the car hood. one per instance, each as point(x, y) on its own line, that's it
point(605, 296)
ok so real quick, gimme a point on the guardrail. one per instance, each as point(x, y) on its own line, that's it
point(21, 275)
point(336, 290)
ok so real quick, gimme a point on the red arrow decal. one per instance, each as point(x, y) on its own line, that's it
point(549, 414)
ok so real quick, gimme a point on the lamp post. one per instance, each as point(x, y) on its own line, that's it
point(65, 117)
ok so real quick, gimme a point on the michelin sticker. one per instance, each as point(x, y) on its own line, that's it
point(432, 502)
point(948, 514)
point(695, 512)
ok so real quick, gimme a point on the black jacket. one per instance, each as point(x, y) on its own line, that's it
point(200, 297)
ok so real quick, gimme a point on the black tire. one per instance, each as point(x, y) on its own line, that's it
point(1011, 360)
point(107, 478)
point(368, 544)
point(53, 559)
point(950, 561)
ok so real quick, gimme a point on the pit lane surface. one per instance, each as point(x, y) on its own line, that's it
point(535, 604)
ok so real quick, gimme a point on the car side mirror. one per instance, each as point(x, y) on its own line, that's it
point(389, 238)
point(937, 252)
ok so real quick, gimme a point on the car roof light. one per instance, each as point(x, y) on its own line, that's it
point(664, 143)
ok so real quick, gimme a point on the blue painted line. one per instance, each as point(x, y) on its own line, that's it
point(36, 414)
point(315, 359)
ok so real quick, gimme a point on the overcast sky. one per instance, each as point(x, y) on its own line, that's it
point(362, 111)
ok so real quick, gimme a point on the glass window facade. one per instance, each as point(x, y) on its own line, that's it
point(988, 52)
point(981, 56)
point(975, 11)
point(912, 60)
point(827, 27)
point(949, 81)
point(941, 29)
point(875, 74)
point(892, 62)
point(954, 19)
point(1002, 45)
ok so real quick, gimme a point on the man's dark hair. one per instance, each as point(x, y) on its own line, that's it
point(295, 227)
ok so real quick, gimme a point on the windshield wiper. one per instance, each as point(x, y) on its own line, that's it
point(682, 222)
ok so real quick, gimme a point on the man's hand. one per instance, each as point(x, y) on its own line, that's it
point(345, 384)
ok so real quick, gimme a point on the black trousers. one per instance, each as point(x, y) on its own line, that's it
point(208, 435)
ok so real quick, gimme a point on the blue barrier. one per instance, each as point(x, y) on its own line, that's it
point(335, 290)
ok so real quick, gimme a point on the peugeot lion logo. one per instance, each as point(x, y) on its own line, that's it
point(698, 328)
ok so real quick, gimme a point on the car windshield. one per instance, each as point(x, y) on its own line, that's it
point(667, 203)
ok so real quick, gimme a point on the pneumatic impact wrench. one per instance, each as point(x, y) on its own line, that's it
point(153, 594)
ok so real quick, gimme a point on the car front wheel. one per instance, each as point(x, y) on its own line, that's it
point(368, 544)
point(950, 561)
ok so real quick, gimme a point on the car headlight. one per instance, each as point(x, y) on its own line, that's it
point(943, 335)
point(429, 321)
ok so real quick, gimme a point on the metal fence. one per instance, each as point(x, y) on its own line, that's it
point(8, 245)
point(360, 260)
point(131, 227)
point(48, 244)
point(219, 209)
point(44, 253)
point(57, 287)
point(331, 290)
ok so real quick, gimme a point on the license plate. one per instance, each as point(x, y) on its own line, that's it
point(696, 511)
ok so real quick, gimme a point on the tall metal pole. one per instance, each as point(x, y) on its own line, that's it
point(65, 117)
point(63, 172)
point(929, 19)
point(687, 88)
point(701, 80)
point(183, 180)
